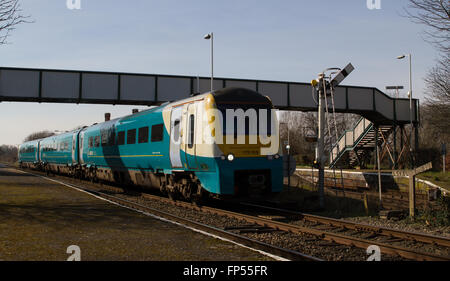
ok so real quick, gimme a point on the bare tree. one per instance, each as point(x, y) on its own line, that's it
point(303, 124)
point(438, 83)
point(435, 15)
point(435, 112)
point(10, 16)
point(437, 107)
point(38, 135)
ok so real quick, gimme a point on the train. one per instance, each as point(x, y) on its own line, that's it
point(191, 148)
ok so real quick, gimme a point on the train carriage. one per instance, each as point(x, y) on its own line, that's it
point(59, 153)
point(191, 147)
point(29, 154)
point(128, 149)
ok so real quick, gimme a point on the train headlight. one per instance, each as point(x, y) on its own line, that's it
point(230, 157)
point(223, 157)
point(271, 157)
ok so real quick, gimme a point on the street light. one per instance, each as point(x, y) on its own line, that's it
point(210, 36)
point(410, 104)
point(288, 147)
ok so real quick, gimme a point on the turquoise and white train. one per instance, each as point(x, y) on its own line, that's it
point(182, 148)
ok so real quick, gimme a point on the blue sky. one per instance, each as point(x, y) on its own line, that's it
point(274, 40)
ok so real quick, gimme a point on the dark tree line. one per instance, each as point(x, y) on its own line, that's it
point(8, 153)
point(38, 135)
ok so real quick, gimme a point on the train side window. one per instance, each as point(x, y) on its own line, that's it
point(176, 130)
point(191, 131)
point(121, 138)
point(143, 135)
point(97, 141)
point(105, 138)
point(91, 142)
point(157, 133)
point(131, 136)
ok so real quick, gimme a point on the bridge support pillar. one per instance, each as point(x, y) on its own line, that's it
point(394, 150)
point(416, 141)
point(412, 195)
point(377, 148)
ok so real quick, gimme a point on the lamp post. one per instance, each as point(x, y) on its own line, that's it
point(288, 147)
point(410, 106)
point(210, 36)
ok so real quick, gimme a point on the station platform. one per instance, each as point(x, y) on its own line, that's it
point(40, 219)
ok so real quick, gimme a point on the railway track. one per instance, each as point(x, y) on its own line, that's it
point(264, 224)
point(198, 226)
point(375, 230)
point(322, 234)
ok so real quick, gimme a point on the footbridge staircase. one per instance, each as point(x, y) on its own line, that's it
point(355, 145)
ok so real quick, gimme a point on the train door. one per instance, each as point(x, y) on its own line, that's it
point(175, 139)
point(37, 152)
point(74, 144)
point(190, 141)
point(80, 147)
point(40, 151)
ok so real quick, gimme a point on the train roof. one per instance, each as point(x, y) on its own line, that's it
point(232, 95)
point(240, 95)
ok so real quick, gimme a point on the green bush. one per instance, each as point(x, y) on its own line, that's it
point(439, 216)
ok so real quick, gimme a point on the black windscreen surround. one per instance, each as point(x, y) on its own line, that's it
point(240, 98)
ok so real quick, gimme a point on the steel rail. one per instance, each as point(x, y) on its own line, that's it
point(329, 236)
point(420, 237)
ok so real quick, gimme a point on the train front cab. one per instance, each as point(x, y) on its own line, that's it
point(251, 163)
point(226, 169)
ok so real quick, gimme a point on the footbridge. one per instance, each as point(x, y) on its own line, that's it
point(93, 87)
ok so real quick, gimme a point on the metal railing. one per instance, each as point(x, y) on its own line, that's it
point(349, 139)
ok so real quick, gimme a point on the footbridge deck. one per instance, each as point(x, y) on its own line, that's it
point(73, 86)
